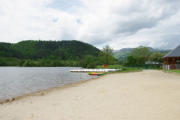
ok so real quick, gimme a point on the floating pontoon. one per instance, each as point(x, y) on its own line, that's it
point(95, 70)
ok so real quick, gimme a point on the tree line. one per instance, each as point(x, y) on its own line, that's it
point(72, 53)
point(143, 57)
point(52, 53)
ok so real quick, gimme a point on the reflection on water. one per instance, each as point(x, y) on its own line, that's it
point(15, 81)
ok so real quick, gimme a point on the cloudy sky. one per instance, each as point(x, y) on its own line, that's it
point(118, 23)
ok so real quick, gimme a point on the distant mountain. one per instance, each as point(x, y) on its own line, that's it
point(124, 52)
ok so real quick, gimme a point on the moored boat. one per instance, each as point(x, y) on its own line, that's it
point(96, 73)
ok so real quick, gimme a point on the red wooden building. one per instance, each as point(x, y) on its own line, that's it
point(172, 59)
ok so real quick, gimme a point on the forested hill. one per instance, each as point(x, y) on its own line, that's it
point(45, 51)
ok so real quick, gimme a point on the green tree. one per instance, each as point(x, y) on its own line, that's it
point(108, 50)
point(107, 55)
point(131, 61)
point(157, 57)
point(140, 55)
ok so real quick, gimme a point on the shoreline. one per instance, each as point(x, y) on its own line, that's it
point(46, 91)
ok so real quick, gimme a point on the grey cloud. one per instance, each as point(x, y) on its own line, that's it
point(143, 19)
point(133, 26)
point(169, 42)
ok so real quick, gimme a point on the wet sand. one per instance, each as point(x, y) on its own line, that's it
point(147, 95)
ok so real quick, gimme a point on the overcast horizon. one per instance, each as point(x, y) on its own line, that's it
point(117, 23)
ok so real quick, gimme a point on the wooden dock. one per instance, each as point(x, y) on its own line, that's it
point(95, 70)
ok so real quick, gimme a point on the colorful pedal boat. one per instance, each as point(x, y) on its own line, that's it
point(96, 73)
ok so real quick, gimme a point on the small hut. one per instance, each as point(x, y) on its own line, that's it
point(172, 59)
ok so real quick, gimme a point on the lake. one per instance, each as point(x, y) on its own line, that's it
point(17, 81)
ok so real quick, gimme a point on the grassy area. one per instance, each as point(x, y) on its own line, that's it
point(173, 71)
point(112, 66)
point(130, 69)
point(124, 69)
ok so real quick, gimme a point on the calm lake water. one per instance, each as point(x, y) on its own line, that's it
point(16, 81)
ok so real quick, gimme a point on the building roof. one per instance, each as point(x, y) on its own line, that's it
point(174, 53)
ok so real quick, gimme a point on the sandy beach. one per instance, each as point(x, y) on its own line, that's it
point(146, 95)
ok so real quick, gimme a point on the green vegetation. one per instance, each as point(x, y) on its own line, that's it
point(107, 56)
point(131, 69)
point(75, 53)
point(46, 53)
point(122, 53)
point(53, 53)
point(173, 71)
point(143, 57)
point(157, 56)
point(111, 66)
